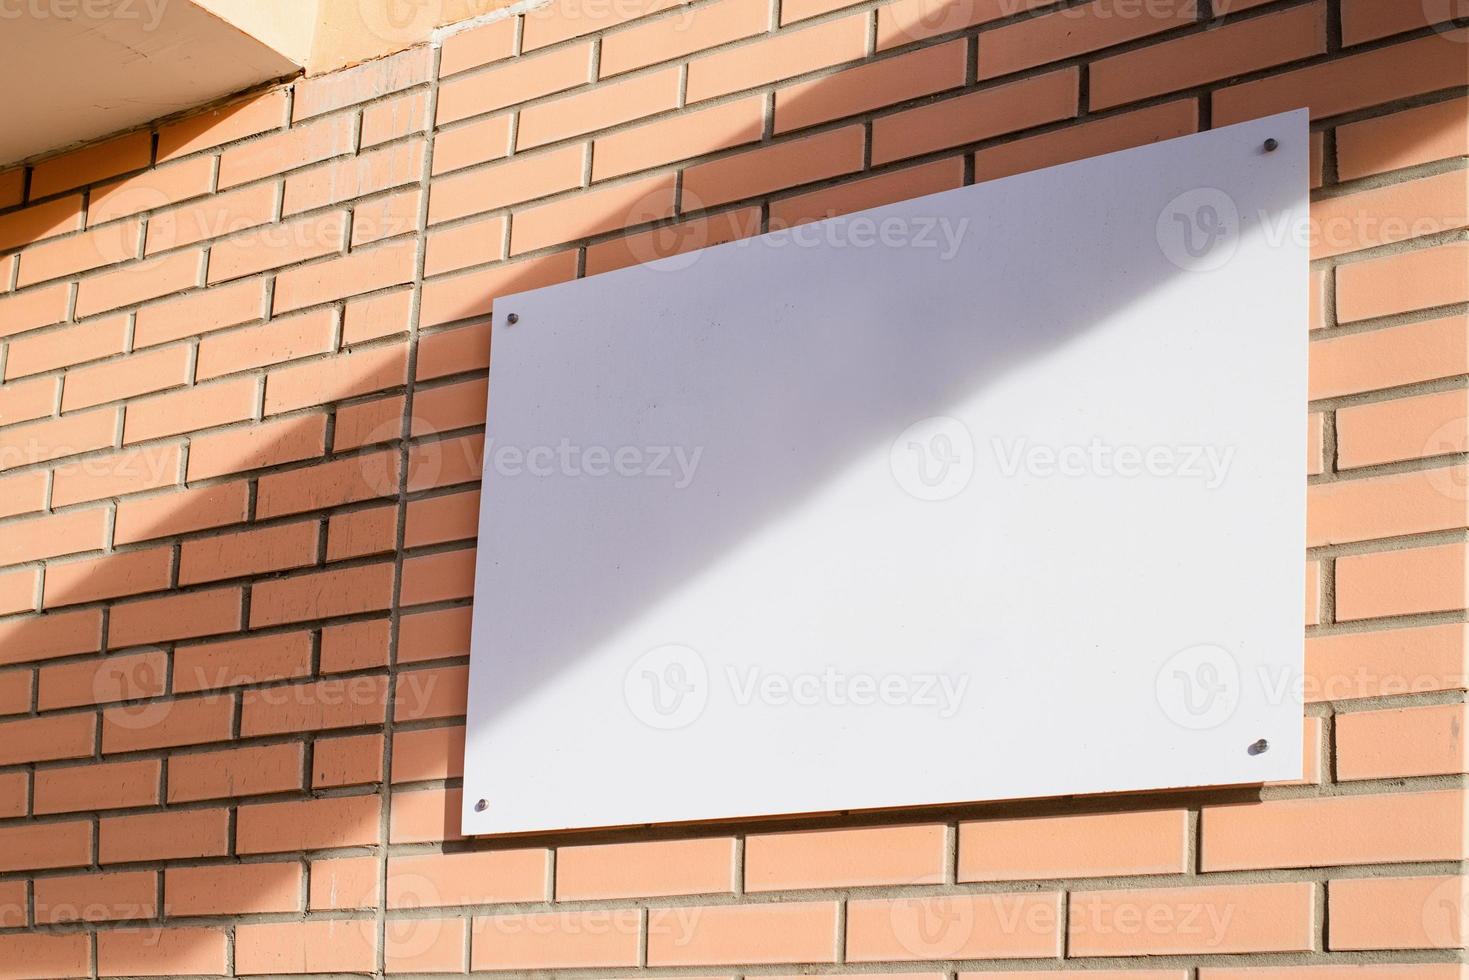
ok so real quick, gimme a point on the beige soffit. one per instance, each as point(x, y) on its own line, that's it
point(80, 69)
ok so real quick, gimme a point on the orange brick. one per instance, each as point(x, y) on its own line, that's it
point(108, 577)
point(1384, 215)
point(395, 118)
point(341, 376)
point(234, 772)
point(130, 471)
point(381, 315)
point(213, 217)
point(1255, 918)
point(344, 883)
point(424, 945)
point(1353, 82)
point(257, 446)
point(69, 736)
point(975, 116)
point(163, 836)
point(337, 90)
point(522, 80)
point(359, 272)
point(164, 724)
point(320, 595)
point(428, 753)
point(92, 164)
point(322, 485)
point(645, 869)
point(781, 56)
point(34, 308)
point(871, 86)
point(314, 706)
point(386, 217)
point(1386, 506)
point(666, 239)
point(15, 801)
point(471, 49)
point(116, 678)
point(1414, 280)
point(24, 401)
point(330, 946)
point(1358, 971)
point(774, 167)
point(234, 889)
point(1074, 31)
point(845, 858)
point(369, 173)
point(1386, 358)
point(277, 246)
point(97, 897)
point(341, 821)
point(1397, 583)
point(1363, 21)
point(1310, 833)
point(437, 520)
point(555, 940)
point(32, 847)
point(425, 815)
point(472, 294)
point(1408, 428)
point(45, 956)
point(225, 124)
point(1118, 132)
point(576, 18)
point(437, 693)
point(480, 141)
point(65, 347)
point(517, 180)
point(282, 339)
point(1403, 139)
point(1245, 46)
point(354, 646)
point(434, 635)
point(686, 134)
point(1386, 662)
point(683, 34)
point(174, 617)
point(1080, 846)
point(362, 532)
point(1397, 742)
point(462, 246)
point(914, 20)
point(349, 761)
point(285, 151)
point(40, 221)
point(251, 552)
point(195, 408)
point(139, 282)
point(180, 512)
point(1396, 913)
point(53, 535)
point(135, 374)
point(90, 250)
point(235, 662)
point(592, 213)
point(200, 313)
point(477, 878)
point(12, 187)
point(602, 107)
point(954, 926)
point(53, 635)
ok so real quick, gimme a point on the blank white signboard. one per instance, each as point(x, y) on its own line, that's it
point(989, 494)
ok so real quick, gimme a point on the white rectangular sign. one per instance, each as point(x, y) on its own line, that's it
point(989, 494)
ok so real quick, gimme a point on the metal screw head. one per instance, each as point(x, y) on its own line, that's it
point(481, 806)
point(512, 318)
point(1271, 145)
point(1257, 747)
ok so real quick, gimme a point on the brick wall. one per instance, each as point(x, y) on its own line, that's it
point(244, 361)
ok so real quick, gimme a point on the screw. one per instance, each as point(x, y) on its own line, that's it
point(1271, 145)
point(481, 806)
point(1257, 747)
point(513, 318)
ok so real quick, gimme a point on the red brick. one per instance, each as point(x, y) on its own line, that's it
point(1396, 913)
point(116, 678)
point(345, 821)
point(354, 646)
point(162, 952)
point(1398, 583)
point(1395, 742)
point(92, 164)
point(1403, 139)
point(350, 761)
point(31, 638)
point(97, 897)
point(366, 82)
point(257, 446)
point(175, 617)
point(234, 889)
point(1075, 31)
point(45, 956)
point(1081, 846)
point(522, 80)
point(321, 595)
point(512, 182)
point(1251, 918)
point(164, 836)
point(646, 869)
point(248, 771)
point(983, 926)
point(774, 167)
point(556, 940)
point(785, 54)
point(329, 946)
point(32, 847)
point(314, 706)
point(108, 577)
point(225, 124)
point(164, 724)
point(480, 878)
